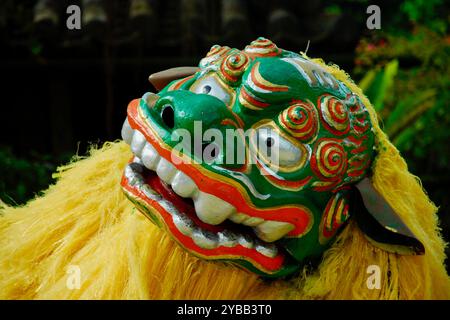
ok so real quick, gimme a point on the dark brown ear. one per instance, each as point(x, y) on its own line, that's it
point(380, 223)
point(161, 79)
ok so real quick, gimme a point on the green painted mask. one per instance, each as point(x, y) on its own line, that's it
point(303, 138)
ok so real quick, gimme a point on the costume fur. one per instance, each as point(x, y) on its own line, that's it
point(84, 220)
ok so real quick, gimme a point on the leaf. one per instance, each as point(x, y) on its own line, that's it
point(367, 80)
point(408, 111)
point(402, 141)
point(389, 73)
point(376, 84)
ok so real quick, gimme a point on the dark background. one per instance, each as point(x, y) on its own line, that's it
point(64, 89)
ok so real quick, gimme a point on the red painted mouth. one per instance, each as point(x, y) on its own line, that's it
point(166, 208)
point(178, 215)
point(219, 186)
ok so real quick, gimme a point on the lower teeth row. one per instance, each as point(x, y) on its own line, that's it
point(203, 238)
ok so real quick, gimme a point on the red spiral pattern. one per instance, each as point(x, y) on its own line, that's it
point(233, 66)
point(334, 216)
point(215, 53)
point(262, 47)
point(301, 120)
point(334, 114)
point(329, 160)
point(215, 49)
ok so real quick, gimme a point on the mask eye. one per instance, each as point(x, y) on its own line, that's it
point(206, 89)
point(277, 151)
point(212, 86)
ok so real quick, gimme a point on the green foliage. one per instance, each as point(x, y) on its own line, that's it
point(434, 137)
point(425, 12)
point(413, 102)
point(22, 178)
point(333, 9)
point(378, 83)
point(406, 112)
point(407, 77)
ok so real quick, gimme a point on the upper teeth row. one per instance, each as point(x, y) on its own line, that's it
point(186, 226)
point(209, 208)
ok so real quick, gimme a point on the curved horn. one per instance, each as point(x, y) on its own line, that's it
point(161, 79)
point(380, 223)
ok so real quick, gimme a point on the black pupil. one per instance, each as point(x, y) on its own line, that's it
point(168, 116)
point(206, 89)
point(269, 142)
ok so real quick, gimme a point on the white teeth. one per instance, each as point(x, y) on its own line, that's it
point(149, 192)
point(268, 250)
point(132, 172)
point(165, 170)
point(228, 238)
point(211, 209)
point(149, 156)
point(127, 132)
point(137, 143)
point(238, 217)
point(184, 224)
point(244, 219)
point(246, 241)
point(183, 185)
point(270, 231)
point(205, 239)
point(253, 221)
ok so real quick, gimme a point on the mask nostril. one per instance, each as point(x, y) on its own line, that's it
point(168, 116)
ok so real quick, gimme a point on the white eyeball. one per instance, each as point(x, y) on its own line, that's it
point(276, 151)
point(210, 85)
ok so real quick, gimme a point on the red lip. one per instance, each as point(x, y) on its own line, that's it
point(298, 216)
point(262, 262)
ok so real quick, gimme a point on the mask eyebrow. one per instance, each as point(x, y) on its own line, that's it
point(258, 93)
point(259, 84)
point(250, 101)
point(312, 73)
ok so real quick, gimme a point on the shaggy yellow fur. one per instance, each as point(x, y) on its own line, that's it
point(84, 220)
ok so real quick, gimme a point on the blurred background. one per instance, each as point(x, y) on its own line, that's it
point(65, 89)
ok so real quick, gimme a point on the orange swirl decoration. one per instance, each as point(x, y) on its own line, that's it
point(329, 160)
point(334, 114)
point(215, 53)
point(233, 66)
point(301, 120)
point(334, 216)
point(262, 47)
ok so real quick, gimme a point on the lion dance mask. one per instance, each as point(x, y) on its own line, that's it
point(269, 215)
point(260, 163)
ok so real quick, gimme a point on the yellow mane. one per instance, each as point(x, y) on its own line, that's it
point(85, 221)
